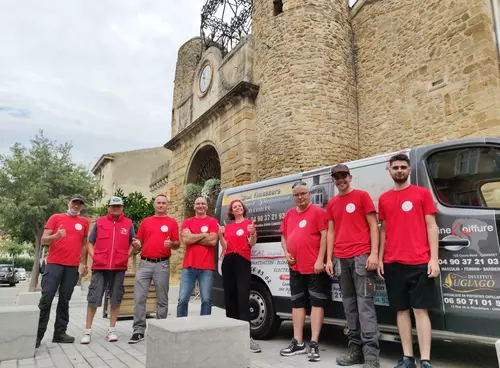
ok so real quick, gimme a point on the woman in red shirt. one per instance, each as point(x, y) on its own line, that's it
point(237, 239)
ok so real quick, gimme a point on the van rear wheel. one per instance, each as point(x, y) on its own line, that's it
point(264, 323)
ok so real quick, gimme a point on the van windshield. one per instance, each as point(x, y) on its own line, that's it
point(467, 176)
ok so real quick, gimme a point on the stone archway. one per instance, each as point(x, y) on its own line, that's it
point(204, 166)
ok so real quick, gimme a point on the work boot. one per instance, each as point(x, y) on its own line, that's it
point(371, 364)
point(63, 338)
point(354, 356)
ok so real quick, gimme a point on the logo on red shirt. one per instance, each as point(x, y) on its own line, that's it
point(240, 232)
point(350, 208)
point(123, 231)
point(78, 227)
point(164, 228)
point(204, 229)
point(407, 206)
point(303, 224)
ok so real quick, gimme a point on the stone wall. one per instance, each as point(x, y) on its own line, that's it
point(427, 71)
point(185, 71)
point(232, 134)
point(306, 107)
point(131, 171)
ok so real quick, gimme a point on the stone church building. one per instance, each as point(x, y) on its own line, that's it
point(318, 82)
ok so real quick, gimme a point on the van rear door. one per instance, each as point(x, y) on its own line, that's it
point(464, 179)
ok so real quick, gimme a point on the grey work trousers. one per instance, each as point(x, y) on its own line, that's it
point(159, 272)
point(358, 289)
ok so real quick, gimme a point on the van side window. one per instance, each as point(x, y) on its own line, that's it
point(467, 176)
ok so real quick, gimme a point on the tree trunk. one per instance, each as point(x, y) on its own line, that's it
point(36, 264)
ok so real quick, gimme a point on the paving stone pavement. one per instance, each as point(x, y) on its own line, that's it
point(101, 353)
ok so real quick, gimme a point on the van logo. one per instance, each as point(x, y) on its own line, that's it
point(473, 230)
point(469, 283)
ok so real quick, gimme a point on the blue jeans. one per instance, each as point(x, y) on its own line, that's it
point(189, 276)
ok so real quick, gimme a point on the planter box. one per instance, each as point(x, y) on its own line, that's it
point(127, 306)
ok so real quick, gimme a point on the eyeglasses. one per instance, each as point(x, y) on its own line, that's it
point(303, 194)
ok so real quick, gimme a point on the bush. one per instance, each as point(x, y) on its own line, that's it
point(26, 263)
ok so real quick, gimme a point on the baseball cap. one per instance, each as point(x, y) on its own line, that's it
point(77, 197)
point(115, 201)
point(340, 168)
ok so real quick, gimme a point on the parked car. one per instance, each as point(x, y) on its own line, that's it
point(22, 274)
point(8, 275)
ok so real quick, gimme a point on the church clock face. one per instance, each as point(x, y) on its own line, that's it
point(205, 77)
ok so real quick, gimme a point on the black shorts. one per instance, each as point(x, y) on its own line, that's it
point(313, 288)
point(103, 280)
point(409, 286)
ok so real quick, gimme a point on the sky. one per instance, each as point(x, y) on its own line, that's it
point(96, 73)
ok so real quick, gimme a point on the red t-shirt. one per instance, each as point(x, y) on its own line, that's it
point(153, 231)
point(302, 233)
point(236, 238)
point(66, 251)
point(348, 213)
point(405, 230)
point(197, 255)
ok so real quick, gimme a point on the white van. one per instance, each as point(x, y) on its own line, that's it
point(464, 178)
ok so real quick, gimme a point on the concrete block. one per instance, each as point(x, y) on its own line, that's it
point(19, 327)
point(198, 341)
point(29, 298)
point(173, 294)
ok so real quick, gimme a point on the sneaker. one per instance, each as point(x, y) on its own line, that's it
point(38, 342)
point(136, 338)
point(254, 347)
point(425, 364)
point(353, 356)
point(111, 336)
point(406, 362)
point(371, 364)
point(294, 348)
point(63, 338)
point(86, 337)
point(313, 353)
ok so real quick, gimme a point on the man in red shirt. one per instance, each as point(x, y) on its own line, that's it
point(66, 234)
point(200, 234)
point(353, 238)
point(110, 246)
point(303, 238)
point(159, 234)
point(408, 257)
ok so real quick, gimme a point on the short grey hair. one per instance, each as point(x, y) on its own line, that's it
point(300, 183)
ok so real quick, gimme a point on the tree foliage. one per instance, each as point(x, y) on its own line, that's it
point(210, 190)
point(13, 248)
point(36, 182)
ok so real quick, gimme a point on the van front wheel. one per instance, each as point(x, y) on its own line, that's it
point(264, 323)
